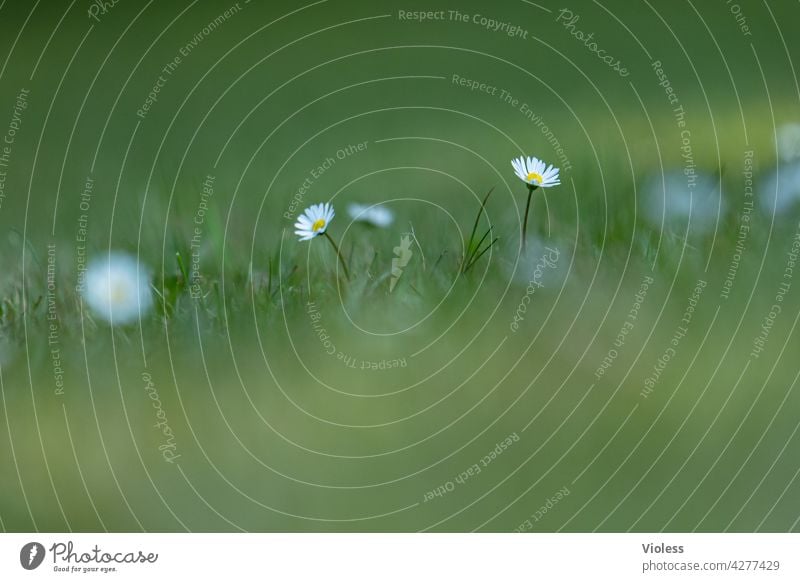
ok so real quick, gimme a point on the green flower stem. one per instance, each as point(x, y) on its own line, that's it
point(525, 220)
point(339, 254)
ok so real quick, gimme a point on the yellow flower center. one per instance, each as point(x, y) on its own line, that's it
point(320, 223)
point(119, 293)
point(534, 177)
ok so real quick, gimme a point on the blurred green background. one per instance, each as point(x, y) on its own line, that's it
point(270, 432)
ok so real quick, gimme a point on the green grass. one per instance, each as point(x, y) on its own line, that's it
point(239, 364)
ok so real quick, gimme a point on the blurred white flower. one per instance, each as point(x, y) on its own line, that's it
point(535, 173)
point(314, 221)
point(669, 196)
point(118, 288)
point(789, 141)
point(780, 187)
point(376, 215)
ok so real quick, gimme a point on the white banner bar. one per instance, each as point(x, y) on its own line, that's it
point(400, 557)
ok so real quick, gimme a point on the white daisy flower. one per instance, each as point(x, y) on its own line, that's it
point(376, 215)
point(780, 188)
point(535, 173)
point(118, 288)
point(313, 221)
point(668, 198)
point(788, 137)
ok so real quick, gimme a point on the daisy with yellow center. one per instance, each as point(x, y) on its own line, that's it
point(314, 222)
point(536, 174)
